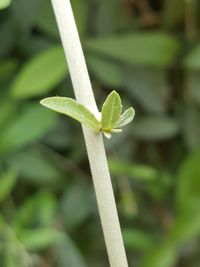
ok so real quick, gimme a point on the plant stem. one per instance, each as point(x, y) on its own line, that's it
point(191, 20)
point(94, 142)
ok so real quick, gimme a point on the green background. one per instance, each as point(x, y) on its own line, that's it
point(149, 52)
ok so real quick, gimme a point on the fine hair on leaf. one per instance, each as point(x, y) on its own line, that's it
point(73, 109)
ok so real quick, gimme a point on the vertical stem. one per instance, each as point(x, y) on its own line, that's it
point(94, 142)
point(191, 15)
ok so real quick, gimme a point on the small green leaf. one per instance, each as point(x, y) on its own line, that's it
point(111, 111)
point(4, 3)
point(73, 109)
point(126, 117)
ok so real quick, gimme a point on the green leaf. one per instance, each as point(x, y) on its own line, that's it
point(150, 128)
point(192, 59)
point(146, 48)
point(31, 124)
point(73, 109)
point(7, 182)
point(40, 74)
point(107, 72)
point(68, 254)
point(7, 112)
point(38, 210)
point(4, 3)
point(137, 239)
point(38, 239)
point(35, 167)
point(192, 86)
point(126, 117)
point(191, 126)
point(81, 14)
point(138, 172)
point(77, 197)
point(162, 256)
point(185, 229)
point(45, 20)
point(188, 201)
point(148, 86)
point(7, 68)
point(111, 111)
point(189, 183)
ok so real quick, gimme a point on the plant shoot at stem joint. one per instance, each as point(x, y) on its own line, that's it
point(112, 118)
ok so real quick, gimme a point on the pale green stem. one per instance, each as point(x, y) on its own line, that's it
point(94, 142)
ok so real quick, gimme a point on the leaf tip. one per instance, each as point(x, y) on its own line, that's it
point(114, 92)
point(42, 102)
point(45, 101)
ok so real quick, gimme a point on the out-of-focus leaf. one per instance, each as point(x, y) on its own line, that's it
point(40, 74)
point(155, 128)
point(163, 256)
point(192, 59)
point(107, 72)
point(187, 225)
point(160, 188)
point(111, 111)
point(79, 197)
point(38, 210)
point(7, 67)
point(188, 187)
point(25, 14)
point(41, 238)
point(35, 167)
point(149, 49)
point(30, 125)
point(128, 203)
point(4, 3)
point(10, 260)
point(7, 110)
point(135, 239)
point(7, 183)
point(111, 17)
point(46, 20)
point(36, 45)
point(80, 9)
point(12, 252)
point(61, 136)
point(72, 108)
point(149, 87)
point(136, 171)
point(191, 123)
point(192, 86)
point(8, 31)
point(68, 254)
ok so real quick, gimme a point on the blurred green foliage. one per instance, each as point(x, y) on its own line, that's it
point(149, 51)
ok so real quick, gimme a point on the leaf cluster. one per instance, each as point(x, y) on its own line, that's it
point(111, 118)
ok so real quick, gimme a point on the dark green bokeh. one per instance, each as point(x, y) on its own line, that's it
point(149, 52)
